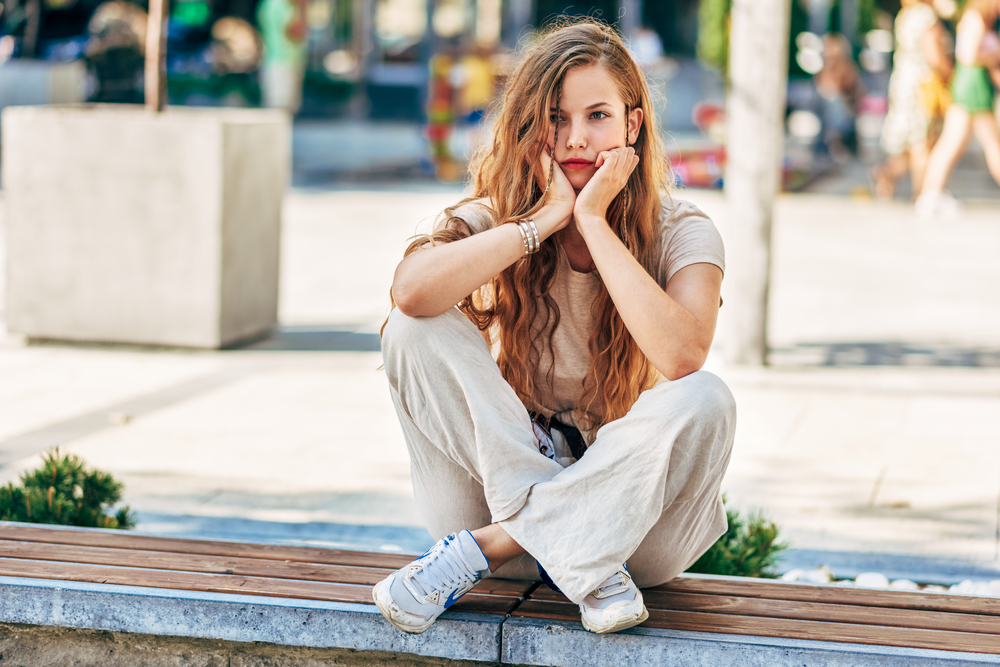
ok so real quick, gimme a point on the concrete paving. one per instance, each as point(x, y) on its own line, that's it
point(299, 431)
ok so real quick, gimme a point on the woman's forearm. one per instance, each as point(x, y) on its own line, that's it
point(670, 336)
point(435, 278)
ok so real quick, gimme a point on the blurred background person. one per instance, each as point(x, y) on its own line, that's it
point(115, 52)
point(840, 92)
point(477, 83)
point(918, 94)
point(647, 47)
point(442, 113)
point(284, 31)
point(977, 69)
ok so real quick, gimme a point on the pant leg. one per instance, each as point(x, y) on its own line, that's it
point(648, 486)
point(468, 435)
point(474, 461)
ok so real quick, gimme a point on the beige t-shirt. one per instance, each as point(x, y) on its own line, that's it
point(687, 236)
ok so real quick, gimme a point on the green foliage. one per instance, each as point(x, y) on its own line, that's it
point(713, 33)
point(748, 549)
point(62, 491)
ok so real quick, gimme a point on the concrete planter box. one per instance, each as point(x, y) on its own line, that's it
point(133, 227)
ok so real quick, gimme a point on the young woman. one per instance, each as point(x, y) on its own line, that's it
point(921, 69)
point(977, 61)
point(559, 413)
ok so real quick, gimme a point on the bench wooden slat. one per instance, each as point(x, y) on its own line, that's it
point(808, 611)
point(784, 628)
point(216, 583)
point(124, 540)
point(759, 588)
point(248, 567)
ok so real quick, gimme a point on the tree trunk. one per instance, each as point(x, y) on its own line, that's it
point(758, 71)
point(156, 56)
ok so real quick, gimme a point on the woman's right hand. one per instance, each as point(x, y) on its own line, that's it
point(557, 209)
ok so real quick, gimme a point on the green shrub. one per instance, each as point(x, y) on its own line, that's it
point(63, 492)
point(749, 547)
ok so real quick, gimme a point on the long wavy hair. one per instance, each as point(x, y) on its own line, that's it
point(516, 308)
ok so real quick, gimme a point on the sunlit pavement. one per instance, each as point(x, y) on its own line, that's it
point(844, 455)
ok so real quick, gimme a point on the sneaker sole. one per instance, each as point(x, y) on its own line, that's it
point(412, 629)
point(622, 624)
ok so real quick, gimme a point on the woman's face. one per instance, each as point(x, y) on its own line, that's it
point(591, 120)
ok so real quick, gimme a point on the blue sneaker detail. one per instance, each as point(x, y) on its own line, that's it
point(412, 597)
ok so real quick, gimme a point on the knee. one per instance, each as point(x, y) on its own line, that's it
point(708, 396)
point(405, 337)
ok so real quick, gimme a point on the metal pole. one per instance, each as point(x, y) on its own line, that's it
point(849, 21)
point(819, 16)
point(629, 17)
point(758, 70)
point(156, 56)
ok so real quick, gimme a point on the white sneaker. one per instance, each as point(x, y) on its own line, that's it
point(412, 597)
point(942, 206)
point(614, 605)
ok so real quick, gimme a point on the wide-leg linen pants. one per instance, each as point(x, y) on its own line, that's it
point(647, 491)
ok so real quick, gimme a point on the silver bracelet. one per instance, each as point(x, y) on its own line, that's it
point(529, 233)
point(524, 237)
point(534, 234)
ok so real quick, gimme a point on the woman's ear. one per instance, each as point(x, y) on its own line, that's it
point(634, 124)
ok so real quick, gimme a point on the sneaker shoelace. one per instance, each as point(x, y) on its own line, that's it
point(613, 585)
point(442, 569)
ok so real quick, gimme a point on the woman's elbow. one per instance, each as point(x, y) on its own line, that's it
point(413, 301)
point(408, 301)
point(685, 364)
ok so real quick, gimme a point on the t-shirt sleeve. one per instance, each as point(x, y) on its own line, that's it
point(470, 218)
point(688, 237)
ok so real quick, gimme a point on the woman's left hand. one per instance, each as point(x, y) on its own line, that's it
point(613, 170)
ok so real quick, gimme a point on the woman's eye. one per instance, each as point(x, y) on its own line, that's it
point(599, 115)
point(552, 118)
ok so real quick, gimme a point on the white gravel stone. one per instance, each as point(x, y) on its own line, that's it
point(904, 585)
point(981, 588)
point(872, 580)
point(821, 575)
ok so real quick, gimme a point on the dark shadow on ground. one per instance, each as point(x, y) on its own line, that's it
point(887, 353)
point(316, 339)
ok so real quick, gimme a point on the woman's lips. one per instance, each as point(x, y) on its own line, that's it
point(577, 164)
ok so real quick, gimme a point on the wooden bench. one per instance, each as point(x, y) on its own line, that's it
point(695, 608)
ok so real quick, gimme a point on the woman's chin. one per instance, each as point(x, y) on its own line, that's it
point(579, 181)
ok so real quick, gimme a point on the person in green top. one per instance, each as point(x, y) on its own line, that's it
point(284, 31)
point(977, 61)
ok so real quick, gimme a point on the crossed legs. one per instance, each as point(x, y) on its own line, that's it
point(647, 491)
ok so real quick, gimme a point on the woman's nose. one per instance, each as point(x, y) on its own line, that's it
point(575, 137)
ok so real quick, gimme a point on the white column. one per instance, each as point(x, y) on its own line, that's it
point(755, 107)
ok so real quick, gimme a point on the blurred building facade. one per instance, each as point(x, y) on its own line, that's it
point(364, 58)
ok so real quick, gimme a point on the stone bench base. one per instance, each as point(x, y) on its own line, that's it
point(202, 600)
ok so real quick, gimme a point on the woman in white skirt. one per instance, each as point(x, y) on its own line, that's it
point(557, 420)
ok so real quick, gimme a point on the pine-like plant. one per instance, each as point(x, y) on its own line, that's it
point(749, 548)
point(63, 491)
